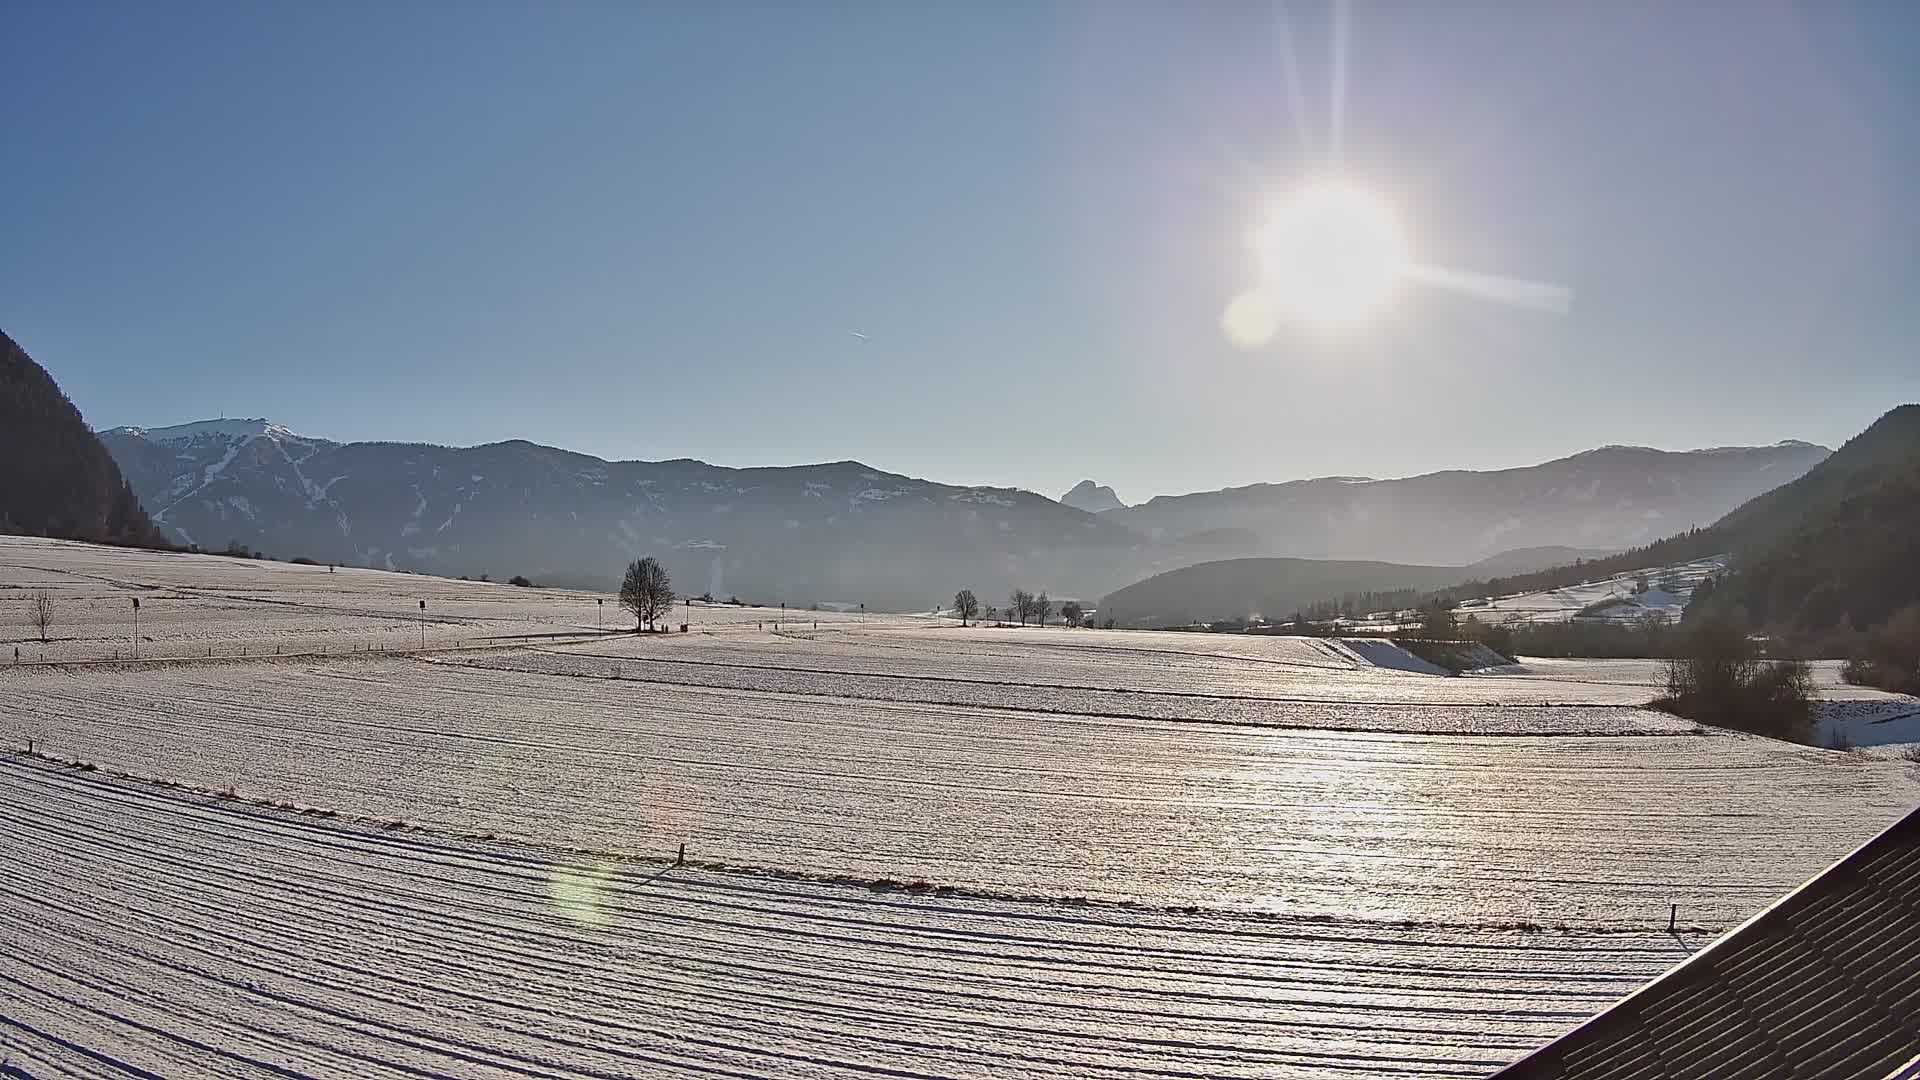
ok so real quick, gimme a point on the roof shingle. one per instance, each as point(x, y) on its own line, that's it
point(1823, 985)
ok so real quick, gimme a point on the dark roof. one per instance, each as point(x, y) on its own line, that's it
point(1824, 984)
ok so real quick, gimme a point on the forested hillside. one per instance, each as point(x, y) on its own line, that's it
point(1840, 547)
point(57, 479)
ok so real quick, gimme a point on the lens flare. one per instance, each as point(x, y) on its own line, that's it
point(1250, 320)
point(579, 892)
point(1331, 255)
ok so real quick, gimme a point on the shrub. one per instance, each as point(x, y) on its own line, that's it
point(1718, 678)
point(1889, 658)
point(520, 580)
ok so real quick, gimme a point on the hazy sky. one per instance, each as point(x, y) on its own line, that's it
point(650, 230)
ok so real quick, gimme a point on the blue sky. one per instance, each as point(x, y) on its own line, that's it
point(649, 230)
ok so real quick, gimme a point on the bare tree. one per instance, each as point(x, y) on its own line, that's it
point(1020, 605)
point(966, 605)
point(647, 591)
point(1072, 612)
point(1041, 605)
point(40, 613)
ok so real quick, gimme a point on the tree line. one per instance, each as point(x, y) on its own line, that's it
point(1021, 605)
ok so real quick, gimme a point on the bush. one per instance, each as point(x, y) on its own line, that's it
point(520, 580)
point(302, 560)
point(1718, 678)
point(1889, 657)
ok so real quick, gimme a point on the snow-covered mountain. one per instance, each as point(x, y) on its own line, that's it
point(1614, 497)
point(847, 532)
point(838, 532)
point(1091, 497)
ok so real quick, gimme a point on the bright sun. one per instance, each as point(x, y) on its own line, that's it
point(1331, 255)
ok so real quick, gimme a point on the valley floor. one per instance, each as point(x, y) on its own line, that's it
point(912, 849)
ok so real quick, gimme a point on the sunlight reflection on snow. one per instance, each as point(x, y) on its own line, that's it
point(578, 893)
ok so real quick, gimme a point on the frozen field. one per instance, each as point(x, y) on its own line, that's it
point(1418, 818)
point(1139, 663)
point(201, 605)
point(1133, 854)
point(150, 933)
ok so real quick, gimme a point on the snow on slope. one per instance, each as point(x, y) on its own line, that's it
point(1562, 605)
point(152, 932)
point(208, 429)
point(1383, 653)
point(1892, 722)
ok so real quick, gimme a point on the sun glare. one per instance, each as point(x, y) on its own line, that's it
point(1331, 255)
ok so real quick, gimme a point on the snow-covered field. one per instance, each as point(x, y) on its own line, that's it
point(1143, 854)
point(1848, 716)
point(211, 605)
point(145, 932)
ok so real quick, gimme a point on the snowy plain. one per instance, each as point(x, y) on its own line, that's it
point(912, 848)
point(210, 605)
point(146, 932)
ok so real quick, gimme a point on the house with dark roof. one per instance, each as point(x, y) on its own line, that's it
point(1823, 985)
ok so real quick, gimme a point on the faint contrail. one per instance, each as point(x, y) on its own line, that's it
point(858, 334)
point(1337, 105)
point(1513, 292)
point(1290, 70)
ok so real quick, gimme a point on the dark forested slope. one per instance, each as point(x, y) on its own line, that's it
point(56, 479)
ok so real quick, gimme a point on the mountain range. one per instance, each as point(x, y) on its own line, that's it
point(832, 533)
point(845, 532)
point(1613, 497)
